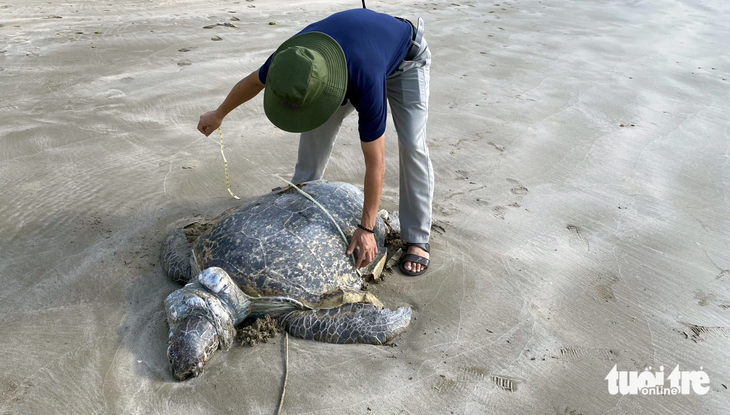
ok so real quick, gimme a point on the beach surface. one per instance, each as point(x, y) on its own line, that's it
point(582, 159)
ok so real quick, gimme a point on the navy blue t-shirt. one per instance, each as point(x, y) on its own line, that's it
point(374, 44)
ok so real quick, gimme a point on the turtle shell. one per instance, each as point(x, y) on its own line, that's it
point(283, 244)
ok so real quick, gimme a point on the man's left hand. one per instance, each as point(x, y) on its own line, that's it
point(368, 247)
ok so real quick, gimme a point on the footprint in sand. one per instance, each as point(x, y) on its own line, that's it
point(444, 384)
point(499, 212)
point(496, 146)
point(473, 384)
point(191, 164)
point(605, 293)
point(519, 192)
point(580, 353)
point(703, 298)
point(505, 383)
point(603, 288)
point(698, 333)
point(578, 239)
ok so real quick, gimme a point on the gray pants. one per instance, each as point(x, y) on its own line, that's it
point(408, 99)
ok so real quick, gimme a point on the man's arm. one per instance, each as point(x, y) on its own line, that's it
point(243, 91)
point(374, 153)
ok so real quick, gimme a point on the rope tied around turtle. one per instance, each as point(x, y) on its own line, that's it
point(342, 234)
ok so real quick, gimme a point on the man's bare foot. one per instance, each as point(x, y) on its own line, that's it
point(413, 266)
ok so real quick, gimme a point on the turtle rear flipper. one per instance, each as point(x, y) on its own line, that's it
point(349, 323)
point(177, 258)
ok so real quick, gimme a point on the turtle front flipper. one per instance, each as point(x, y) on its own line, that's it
point(177, 258)
point(349, 323)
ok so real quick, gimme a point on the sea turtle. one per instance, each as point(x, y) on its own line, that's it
point(278, 254)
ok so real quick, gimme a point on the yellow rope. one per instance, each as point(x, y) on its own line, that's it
point(225, 164)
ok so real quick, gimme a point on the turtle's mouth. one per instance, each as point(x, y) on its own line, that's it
point(192, 344)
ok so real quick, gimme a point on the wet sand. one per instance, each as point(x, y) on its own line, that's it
point(582, 154)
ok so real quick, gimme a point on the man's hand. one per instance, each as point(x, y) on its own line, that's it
point(209, 122)
point(368, 247)
point(243, 91)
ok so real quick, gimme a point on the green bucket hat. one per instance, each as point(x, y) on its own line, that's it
point(306, 82)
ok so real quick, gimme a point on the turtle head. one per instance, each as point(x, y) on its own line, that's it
point(201, 321)
point(192, 343)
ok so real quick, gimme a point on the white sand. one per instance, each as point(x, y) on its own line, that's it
point(566, 243)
